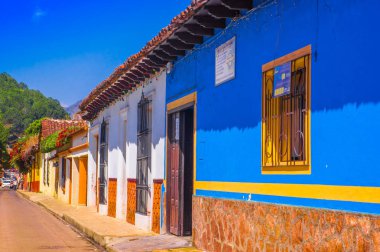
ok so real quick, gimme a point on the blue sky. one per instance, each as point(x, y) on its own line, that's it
point(65, 48)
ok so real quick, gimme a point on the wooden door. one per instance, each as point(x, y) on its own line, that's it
point(173, 155)
point(82, 199)
point(186, 147)
point(180, 169)
point(71, 179)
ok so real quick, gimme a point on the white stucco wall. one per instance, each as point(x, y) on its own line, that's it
point(75, 182)
point(122, 119)
point(48, 187)
point(63, 191)
point(93, 133)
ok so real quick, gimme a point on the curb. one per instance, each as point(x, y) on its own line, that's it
point(99, 239)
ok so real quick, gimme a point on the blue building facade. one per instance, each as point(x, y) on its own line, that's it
point(336, 178)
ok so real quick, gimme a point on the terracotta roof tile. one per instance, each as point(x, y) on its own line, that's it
point(49, 126)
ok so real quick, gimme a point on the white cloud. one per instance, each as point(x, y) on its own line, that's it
point(38, 14)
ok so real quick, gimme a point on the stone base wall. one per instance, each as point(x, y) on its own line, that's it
point(156, 211)
point(131, 200)
point(112, 192)
point(229, 225)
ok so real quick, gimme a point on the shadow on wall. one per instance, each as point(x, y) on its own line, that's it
point(343, 68)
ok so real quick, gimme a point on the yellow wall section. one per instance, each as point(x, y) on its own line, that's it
point(326, 192)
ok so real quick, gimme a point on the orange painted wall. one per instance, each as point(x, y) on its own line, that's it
point(82, 200)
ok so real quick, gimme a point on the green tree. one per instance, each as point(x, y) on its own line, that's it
point(20, 106)
point(4, 156)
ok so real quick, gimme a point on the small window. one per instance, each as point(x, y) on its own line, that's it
point(286, 115)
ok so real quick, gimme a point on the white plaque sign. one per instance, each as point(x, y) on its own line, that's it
point(225, 62)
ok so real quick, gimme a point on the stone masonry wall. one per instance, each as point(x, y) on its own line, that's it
point(229, 225)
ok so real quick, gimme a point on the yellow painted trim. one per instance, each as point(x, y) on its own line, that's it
point(73, 149)
point(284, 170)
point(79, 147)
point(325, 192)
point(291, 56)
point(190, 98)
point(195, 144)
point(182, 101)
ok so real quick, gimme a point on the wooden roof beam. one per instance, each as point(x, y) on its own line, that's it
point(134, 77)
point(119, 87)
point(220, 11)
point(149, 68)
point(172, 51)
point(97, 102)
point(128, 79)
point(210, 22)
point(238, 4)
point(197, 29)
point(124, 84)
point(179, 45)
point(140, 73)
point(91, 108)
point(145, 70)
point(164, 56)
point(103, 98)
point(150, 63)
point(189, 38)
point(111, 91)
point(157, 60)
point(110, 96)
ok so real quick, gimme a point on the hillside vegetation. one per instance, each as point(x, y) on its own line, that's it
point(20, 106)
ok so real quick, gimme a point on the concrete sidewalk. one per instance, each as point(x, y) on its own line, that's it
point(111, 233)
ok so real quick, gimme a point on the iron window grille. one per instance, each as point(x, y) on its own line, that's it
point(103, 166)
point(44, 169)
point(285, 119)
point(47, 173)
point(144, 139)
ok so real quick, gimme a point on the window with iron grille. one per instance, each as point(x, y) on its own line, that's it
point(103, 160)
point(144, 142)
point(47, 173)
point(285, 117)
point(63, 174)
point(44, 168)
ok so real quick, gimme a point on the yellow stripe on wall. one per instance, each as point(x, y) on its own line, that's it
point(326, 192)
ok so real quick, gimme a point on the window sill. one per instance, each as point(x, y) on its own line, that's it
point(286, 170)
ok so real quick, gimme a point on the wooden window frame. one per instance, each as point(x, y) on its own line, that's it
point(295, 167)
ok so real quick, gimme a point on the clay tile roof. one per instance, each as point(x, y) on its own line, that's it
point(130, 62)
point(50, 126)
